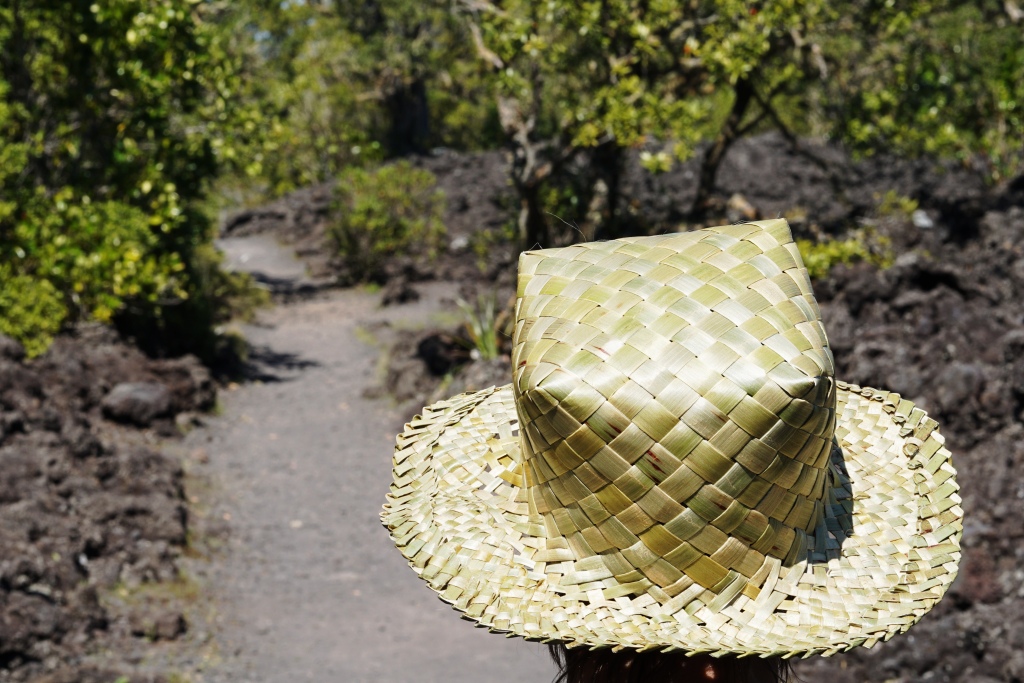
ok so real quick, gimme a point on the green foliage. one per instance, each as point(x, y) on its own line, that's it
point(482, 324)
point(484, 244)
point(621, 70)
point(96, 98)
point(98, 255)
point(487, 327)
point(820, 257)
point(657, 162)
point(597, 77)
point(895, 204)
point(351, 83)
point(393, 210)
point(31, 310)
point(235, 294)
point(863, 245)
point(937, 77)
point(465, 115)
point(117, 117)
point(111, 118)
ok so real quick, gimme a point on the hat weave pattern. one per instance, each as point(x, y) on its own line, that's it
point(678, 400)
point(689, 472)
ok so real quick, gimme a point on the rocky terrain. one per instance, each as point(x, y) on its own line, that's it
point(91, 512)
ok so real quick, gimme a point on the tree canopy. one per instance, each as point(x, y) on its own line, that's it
point(118, 119)
point(353, 82)
point(607, 75)
point(95, 169)
point(939, 77)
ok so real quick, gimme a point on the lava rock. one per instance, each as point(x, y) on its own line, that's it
point(398, 291)
point(957, 384)
point(189, 381)
point(11, 349)
point(979, 581)
point(157, 623)
point(138, 403)
point(441, 353)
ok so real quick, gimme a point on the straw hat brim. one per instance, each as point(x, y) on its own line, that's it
point(886, 553)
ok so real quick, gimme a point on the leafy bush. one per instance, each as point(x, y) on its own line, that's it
point(863, 245)
point(83, 260)
point(190, 323)
point(392, 211)
point(349, 84)
point(31, 310)
point(488, 246)
point(113, 119)
point(936, 77)
point(893, 204)
point(98, 254)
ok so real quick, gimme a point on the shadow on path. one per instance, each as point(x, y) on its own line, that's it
point(263, 361)
point(288, 290)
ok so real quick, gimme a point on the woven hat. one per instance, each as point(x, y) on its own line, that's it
point(675, 465)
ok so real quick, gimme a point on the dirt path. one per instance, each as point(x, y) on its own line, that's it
point(309, 587)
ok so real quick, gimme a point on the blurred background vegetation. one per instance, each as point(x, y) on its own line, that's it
point(125, 124)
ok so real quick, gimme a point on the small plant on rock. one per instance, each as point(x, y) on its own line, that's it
point(485, 326)
point(895, 205)
point(384, 214)
point(862, 245)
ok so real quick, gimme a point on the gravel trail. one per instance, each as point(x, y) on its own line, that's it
point(309, 587)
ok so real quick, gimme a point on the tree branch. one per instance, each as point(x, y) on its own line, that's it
point(486, 54)
point(768, 110)
point(726, 136)
point(766, 106)
point(749, 126)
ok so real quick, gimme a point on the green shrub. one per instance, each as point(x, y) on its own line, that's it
point(189, 321)
point(232, 294)
point(99, 255)
point(392, 211)
point(895, 205)
point(67, 258)
point(114, 117)
point(819, 257)
point(31, 310)
point(486, 245)
point(862, 245)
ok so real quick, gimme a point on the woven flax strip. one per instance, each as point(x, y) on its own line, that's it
point(688, 474)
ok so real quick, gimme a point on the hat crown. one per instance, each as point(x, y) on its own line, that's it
point(676, 399)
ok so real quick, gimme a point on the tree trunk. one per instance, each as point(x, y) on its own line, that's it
point(408, 119)
point(533, 227)
point(607, 161)
point(713, 158)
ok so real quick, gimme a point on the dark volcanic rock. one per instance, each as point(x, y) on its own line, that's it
point(442, 353)
point(83, 507)
point(818, 186)
point(157, 623)
point(10, 349)
point(398, 291)
point(138, 403)
point(189, 381)
point(478, 375)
